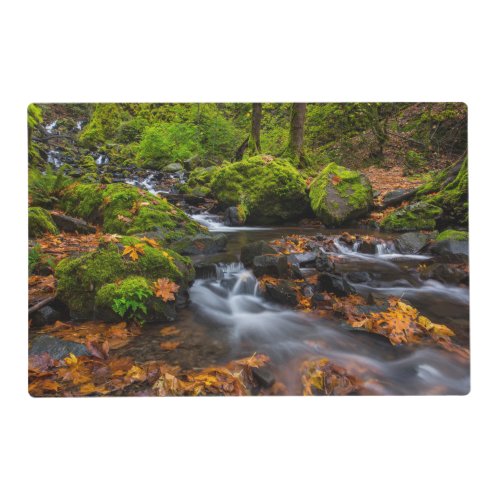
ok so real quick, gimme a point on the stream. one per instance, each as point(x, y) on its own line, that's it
point(227, 318)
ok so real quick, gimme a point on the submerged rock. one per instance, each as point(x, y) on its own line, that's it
point(412, 243)
point(281, 292)
point(445, 273)
point(234, 216)
point(201, 244)
point(335, 283)
point(56, 348)
point(339, 195)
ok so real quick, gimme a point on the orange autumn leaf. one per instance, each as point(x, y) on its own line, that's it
point(111, 238)
point(150, 242)
point(165, 289)
point(170, 345)
point(133, 251)
point(336, 180)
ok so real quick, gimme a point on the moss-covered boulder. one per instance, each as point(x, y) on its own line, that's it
point(339, 195)
point(80, 280)
point(451, 234)
point(270, 190)
point(414, 217)
point(126, 209)
point(198, 183)
point(40, 222)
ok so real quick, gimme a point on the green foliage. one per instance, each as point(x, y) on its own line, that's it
point(165, 143)
point(451, 234)
point(35, 116)
point(103, 124)
point(88, 164)
point(34, 257)
point(84, 201)
point(271, 190)
point(46, 189)
point(414, 162)
point(131, 130)
point(40, 222)
point(128, 297)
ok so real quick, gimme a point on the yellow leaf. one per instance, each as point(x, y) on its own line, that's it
point(442, 330)
point(71, 359)
point(134, 250)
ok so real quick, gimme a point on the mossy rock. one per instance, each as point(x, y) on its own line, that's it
point(451, 234)
point(415, 217)
point(40, 222)
point(126, 209)
point(270, 190)
point(198, 183)
point(80, 279)
point(339, 195)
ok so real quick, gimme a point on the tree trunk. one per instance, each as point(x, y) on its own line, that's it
point(256, 119)
point(297, 122)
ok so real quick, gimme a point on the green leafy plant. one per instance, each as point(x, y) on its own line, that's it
point(46, 189)
point(130, 303)
point(34, 257)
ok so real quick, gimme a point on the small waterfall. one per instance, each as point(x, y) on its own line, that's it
point(50, 127)
point(102, 160)
point(53, 157)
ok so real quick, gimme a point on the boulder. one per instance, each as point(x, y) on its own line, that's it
point(269, 190)
point(71, 224)
point(173, 167)
point(270, 265)
point(368, 246)
point(445, 273)
point(205, 271)
point(411, 243)
point(323, 262)
point(281, 292)
point(334, 283)
point(450, 250)
point(251, 250)
point(339, 195)
point(201, 244)
point(396, 197)
point(415, 217)
point(234, 217)
point(263, 376)
point(40, 222)
point(56, 348)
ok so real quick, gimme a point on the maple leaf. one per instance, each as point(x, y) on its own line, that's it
point(121, 217)
point(150, 242)
point(165, 289)
point(170, 346)
point(336, 180)
point(133, 251)
point(111, 238)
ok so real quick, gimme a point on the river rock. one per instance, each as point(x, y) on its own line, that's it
point(450, 250)
point(302, 259)
point(205, 271)
point(173, 167)
point(411, 243)
point(445, 273)
point(201, 244)
point(56, 348)
point(263, 376)
point(281, 292)
point(45, 316)
point(71, 224)
point(252, 250)
point(334, 283)
point(323, 262)
point(233, 217)
point(271, 265)
point(368, 246)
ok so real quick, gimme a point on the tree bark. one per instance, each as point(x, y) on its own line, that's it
point(297, 122)
point(256, 120)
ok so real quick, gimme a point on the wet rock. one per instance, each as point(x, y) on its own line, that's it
point(295, 272)
point(56, 348)
point(271, 265)
point(411, 243)
point(263, 376)
point(334, 283)
point(233, 217)
point(252, 250)
point(45, 316)
point(323, 263)
point(368, 246)
point(450, 250)
point(396, 197)
point(281, 292)
point(445, 273)
point(72, 224)
point(173, 167)
point(305, 258)
point(205, 271)
point(201, 244)
point(358, 276)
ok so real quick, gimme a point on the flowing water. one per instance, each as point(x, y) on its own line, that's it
point(228, 319)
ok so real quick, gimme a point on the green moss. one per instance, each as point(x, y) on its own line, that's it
point(272, 190)
point(81, 278)
point(88, 164)
point(40, 222)
point(414, 217)
point(451, 234)
point(338, 194)
point(198, 183)
point(83, 200)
